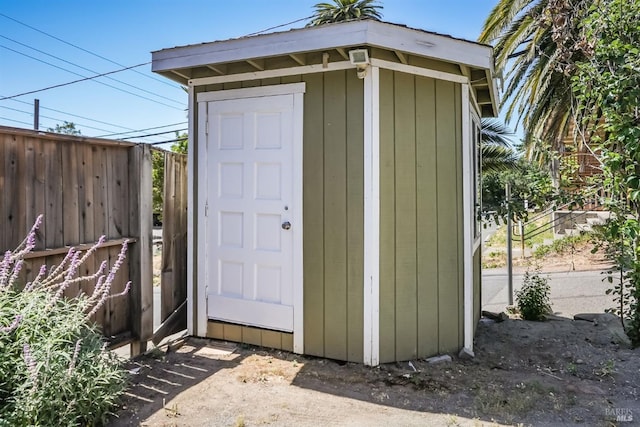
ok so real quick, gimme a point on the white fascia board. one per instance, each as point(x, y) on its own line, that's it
point(372, 33)
point(429, 45)
point(275, 44)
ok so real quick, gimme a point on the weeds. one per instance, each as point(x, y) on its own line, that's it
point(533, 299)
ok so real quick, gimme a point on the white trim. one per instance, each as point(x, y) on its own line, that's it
point(468, 214)
point(298, 232)
point(267, 74)
point(202, 226)
point(297, 91)
point(372, 217)
point(425, 72)
point(252, 92)
point(325, 37)
point(191, 252)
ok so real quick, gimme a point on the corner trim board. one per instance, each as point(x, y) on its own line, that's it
point(371, 332)
point(201, 222)
point(467, 184)
point(193, 325)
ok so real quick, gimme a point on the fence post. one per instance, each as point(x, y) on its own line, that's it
point(140, 255)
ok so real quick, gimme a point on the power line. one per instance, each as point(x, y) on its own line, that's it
point(68, 83)
point(167, 142)
point(52, 118)
point(87, 69)
point(76, 115)
point(154, 134)
point(129, 130)
point(142, 130)
point(88, 78)
point(88, 51)
point(273, 28)
point(17, 121)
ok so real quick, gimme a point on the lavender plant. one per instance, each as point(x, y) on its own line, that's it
point(54, 367)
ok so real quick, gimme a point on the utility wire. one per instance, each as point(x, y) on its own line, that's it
point(69, 83)
point(129, 130)
point(167, 142)
point(87, 69)
point(88, 51)
point(52, 118)
point(273, 28)
point(76, 115)
point(154, 134)
point(142, 130)
point(88, 78)
point(17, 121)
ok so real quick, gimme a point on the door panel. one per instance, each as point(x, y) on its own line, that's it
point(250, 199)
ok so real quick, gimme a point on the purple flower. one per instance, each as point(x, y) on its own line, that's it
point(13, 325)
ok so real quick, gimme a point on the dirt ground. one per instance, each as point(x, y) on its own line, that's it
point(558, 372)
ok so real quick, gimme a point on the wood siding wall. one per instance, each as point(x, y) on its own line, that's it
point(421, 247)
point(85, 188)
point(333, 175)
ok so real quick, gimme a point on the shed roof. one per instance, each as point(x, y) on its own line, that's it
point(475, 60)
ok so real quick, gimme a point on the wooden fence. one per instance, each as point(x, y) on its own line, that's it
point(173, 270)
point(86, 188)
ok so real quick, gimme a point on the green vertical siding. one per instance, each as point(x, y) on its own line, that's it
point(333, 206)
point(420, 217)
point(333, 215)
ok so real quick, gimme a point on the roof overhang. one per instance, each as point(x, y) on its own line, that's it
point(475, 60)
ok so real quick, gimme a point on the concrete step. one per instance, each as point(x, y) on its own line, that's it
point(582, 228)
point(595, 221)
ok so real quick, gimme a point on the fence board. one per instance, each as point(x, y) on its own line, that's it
point(174, 239)
point(10, 191)
point(70, 218)
point(100, 192)
point(53, 222)
point(85, 188)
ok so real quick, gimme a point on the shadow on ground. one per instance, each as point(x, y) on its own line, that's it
point(541, 373)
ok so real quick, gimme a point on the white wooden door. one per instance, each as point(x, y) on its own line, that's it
point(251, 211)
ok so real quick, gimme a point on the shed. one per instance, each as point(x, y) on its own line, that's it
point(333, 184)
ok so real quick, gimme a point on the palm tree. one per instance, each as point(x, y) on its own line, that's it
point(495, 145)
point(345, 10)
point(535, 43)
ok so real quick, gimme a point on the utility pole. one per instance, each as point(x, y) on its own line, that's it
point(36, 114)
point(509, 249)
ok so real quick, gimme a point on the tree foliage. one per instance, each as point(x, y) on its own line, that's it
point(66, 128)
point(345, 10)
point(157, 170)
point(497, 152)
point(534, 43)
point(606, 86)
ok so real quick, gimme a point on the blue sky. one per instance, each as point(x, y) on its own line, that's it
point(127, 31)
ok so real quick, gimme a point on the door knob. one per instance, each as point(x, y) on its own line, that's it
point(286, 225)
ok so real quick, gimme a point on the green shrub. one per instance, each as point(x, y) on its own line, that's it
point(54, 367)
point(533, 298)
